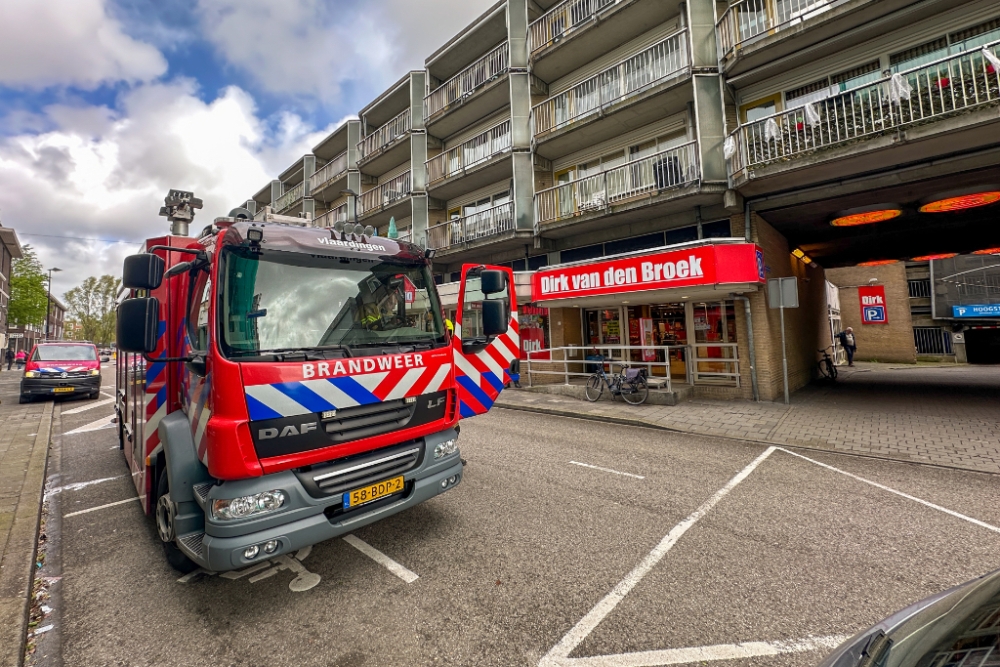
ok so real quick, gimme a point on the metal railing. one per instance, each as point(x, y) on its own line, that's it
point(932, 340)
point(334, 215)
point(699, 364)
point(629, 77)
point(473, 227)
point(748, 19)
point(562, 20)
point(328, 171)
point(479, 149)
point(921, 94)
point(465, 83)
point(405, 235)
point(385, 194)
point(286, 200)
point(644, 177)
point(385, 135)
point(919, 289)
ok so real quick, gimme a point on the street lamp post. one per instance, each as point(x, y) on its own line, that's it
point(48, 300)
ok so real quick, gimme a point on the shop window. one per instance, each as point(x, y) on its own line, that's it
point(682, 235)
point(533, 323)
point(634, 244)
point(537, 262)
point(716, 230)
point(579, 254)
point(760, 108)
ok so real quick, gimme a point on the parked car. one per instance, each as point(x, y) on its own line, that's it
point(960, 626)
point(54, 369)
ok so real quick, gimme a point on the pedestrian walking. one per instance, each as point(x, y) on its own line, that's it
point(849, 343)
point(19, 358)
point(10, 358)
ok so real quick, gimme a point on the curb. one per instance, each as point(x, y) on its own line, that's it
point(638, 423)
point(18, 557)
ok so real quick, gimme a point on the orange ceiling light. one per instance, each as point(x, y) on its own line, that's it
point(929, 258)
point(879, 262)
point(987, 251)
point(866, 216)
point(962, 202)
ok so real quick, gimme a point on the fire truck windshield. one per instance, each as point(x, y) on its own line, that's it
point(273, 302)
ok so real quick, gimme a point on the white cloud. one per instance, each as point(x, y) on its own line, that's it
point(103, 174)
point(321, 49)
point(70, 42)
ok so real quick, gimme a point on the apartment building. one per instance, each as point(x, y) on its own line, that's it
point(561, 137)
point(10, 249)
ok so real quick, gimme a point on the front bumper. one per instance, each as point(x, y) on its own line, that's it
point(308, 519)
point(46, 386)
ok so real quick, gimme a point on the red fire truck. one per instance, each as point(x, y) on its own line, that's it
point(280, 385)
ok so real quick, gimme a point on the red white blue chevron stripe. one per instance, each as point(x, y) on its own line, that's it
point(63, 369)
point(480, 377)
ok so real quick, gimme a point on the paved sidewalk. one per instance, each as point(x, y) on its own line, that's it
point(943, 415)
point(24, 438)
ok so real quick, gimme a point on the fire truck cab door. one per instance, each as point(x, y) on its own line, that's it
point(486, 338)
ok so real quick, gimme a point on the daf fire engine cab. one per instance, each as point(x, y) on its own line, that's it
point(280, 385)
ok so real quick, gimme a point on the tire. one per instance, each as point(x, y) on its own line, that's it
point(832, 371)
point(24, 399)
point(821, 368)
point(94, 394)
point(595, 387)
point(175, 557)
point(635, 392)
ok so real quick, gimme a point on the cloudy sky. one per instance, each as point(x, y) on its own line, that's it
point(106, 104)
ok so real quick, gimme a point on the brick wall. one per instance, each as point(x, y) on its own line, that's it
point(891, 342)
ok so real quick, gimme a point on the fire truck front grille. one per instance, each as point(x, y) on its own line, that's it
point(366, 421)
point(353, 472)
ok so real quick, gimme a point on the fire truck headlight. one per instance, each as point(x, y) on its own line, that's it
point(232, 509)
point(30, 374)
point(446, 448)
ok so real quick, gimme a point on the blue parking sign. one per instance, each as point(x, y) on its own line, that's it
point(874, 314)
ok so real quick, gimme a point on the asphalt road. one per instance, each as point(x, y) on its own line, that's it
point(706, 550)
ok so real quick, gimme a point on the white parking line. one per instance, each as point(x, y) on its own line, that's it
point(616, 472)
point(559, 654)
point(96, 425)
point(89, 406)
point(380, 558)
point(100, 507)
point(79, 485)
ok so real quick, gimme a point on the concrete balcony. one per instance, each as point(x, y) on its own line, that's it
point(624, 97)
point(390, 199)
point(641, 189)
point(574, 32)
point(461, 237)
point(386, 147)
point(938, 109)
point(482, 160)
point(334, 215)
point(329, 179)
point(289, 199)
point(475, 92)
point(756, 33)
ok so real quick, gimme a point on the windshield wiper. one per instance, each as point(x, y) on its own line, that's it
point(284, 354)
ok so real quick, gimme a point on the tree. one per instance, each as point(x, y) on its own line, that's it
point(92, 305)
point(28, 294)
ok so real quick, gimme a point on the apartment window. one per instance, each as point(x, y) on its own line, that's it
point(858, 76)
point(759, 108)
point(580, 254)
point(634, 244)
point(808, 91)
point(919, 55)
point(975, 37)
point(537, 262)
point(716, 230)
point(682, 235)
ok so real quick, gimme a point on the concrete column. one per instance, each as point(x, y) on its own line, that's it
point(309, 208)
point(354, 184)
point(308, 169)
point(418, 211)
point(709, 110)
point(520, 116)
point(353, 139)
point(418, 135)
point(275, 191)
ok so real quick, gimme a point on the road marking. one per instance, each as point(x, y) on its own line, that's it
point(100, 507)
point(97, 425)
point(380, 558)
point(79, 485)
point(953, 513)
point(559, 653)
point(616, 472)
point(89, 406)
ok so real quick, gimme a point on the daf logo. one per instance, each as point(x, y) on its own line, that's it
point(431, 404)
point(290, 430)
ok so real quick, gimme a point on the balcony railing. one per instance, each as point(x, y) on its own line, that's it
point(385, 194)
point(562, 20)
point(385, 135)
point(472, 227)
point(331, 169)
point(945, 87)
point(286, 200)
point(596, 194)
point(465, 83)
point(405, 235)
point(334, 215)
point(479, 149)
point(627, 78)
point(747, 19)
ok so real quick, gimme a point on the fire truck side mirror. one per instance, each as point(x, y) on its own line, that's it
point(492, 282)
point(138, 325)
point(143, 271)
point(495, 317)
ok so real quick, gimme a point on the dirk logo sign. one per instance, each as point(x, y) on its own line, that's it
point(873, 308)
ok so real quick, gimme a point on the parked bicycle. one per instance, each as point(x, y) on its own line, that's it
point(827, 367)
point(629, 383)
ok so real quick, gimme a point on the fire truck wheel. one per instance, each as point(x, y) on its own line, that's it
point(165, 528)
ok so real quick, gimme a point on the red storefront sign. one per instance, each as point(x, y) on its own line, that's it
point(700, 266)
point(409, 290)
point(873, 308)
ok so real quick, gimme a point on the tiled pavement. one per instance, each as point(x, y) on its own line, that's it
point(943, 415)
point(24, 438)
